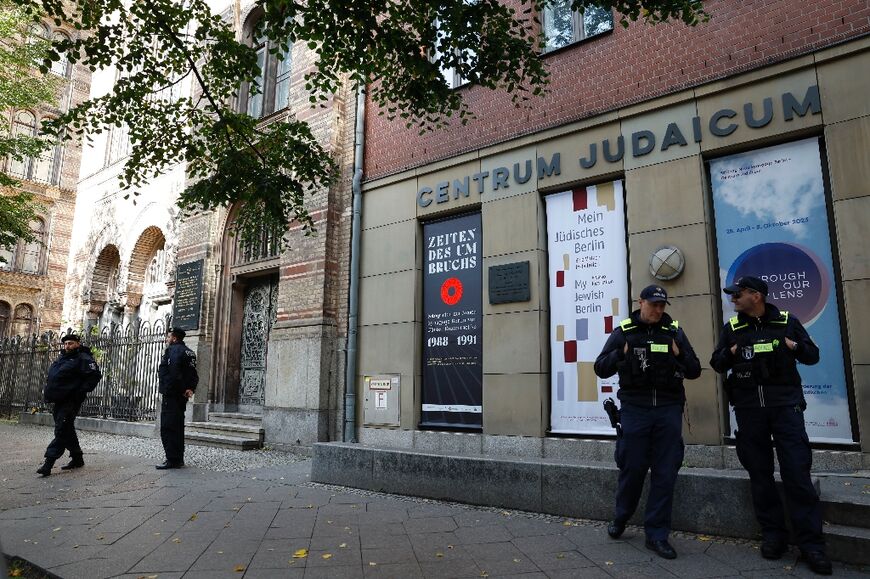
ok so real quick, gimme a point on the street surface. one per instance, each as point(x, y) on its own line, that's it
point(119, 517)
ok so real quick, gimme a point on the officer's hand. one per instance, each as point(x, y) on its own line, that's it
point(675, 348)
point(791, 344)
point(188, 394)
point(734, 349)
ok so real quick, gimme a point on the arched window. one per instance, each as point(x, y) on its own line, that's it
point(31, 253)
point(22, 325)
point(7, 258)
point(27, 257)
point(23, 125)
point(5, 311)
point(272, 90)
point(45, 167)
point(61, 67)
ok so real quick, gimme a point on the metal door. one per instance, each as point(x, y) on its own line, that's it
point(259, 315)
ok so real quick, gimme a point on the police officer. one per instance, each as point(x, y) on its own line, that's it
point(759, 349)
point(652, 355)
point(178, 380)
point(70, 378)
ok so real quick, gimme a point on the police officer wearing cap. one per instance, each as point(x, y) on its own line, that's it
point(178, 380)
point(69, 379)
point(758, 350)
point(652, 356)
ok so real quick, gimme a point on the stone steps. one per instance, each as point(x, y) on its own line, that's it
point(222, 441)
point(227, 430)
point(846, 511)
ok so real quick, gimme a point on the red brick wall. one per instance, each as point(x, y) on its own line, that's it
point(623, 67)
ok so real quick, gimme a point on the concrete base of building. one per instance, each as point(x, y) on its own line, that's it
point(707, 500)
point(577, 449)
point(140, 429)
point(290, 428)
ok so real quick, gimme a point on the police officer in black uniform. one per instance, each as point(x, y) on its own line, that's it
point(70, 378)
point(759, 349)
point(178, 380)
point(652, 355)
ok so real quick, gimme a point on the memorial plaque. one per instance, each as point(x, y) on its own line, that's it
point(188, 296)
point(509, 283)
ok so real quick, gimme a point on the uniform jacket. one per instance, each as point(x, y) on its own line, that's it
point(763, 371)
point(660, 391)
point(177, 370)
point(73, 374)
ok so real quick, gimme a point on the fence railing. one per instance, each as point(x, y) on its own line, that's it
point(128, 358)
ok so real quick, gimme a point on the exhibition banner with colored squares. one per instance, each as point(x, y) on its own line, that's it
point(588, 298)
point(453, 330)
point(772, 223)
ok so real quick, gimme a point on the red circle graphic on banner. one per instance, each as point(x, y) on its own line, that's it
point(451, 291)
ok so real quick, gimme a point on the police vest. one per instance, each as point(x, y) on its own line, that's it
point(763, 359)
point(650, 360)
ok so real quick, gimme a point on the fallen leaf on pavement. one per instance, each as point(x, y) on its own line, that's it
point(300, 554)
point(343, 546)
point(239, 569)
point(327, 556)
point(192, 517)
point(176, 540)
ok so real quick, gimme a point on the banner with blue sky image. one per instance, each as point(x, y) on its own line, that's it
point(772, 222)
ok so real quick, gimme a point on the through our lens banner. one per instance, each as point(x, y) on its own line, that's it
point(772, 223)
point(588, 298)
point(452, 317)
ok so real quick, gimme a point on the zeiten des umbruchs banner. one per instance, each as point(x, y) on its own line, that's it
point(452, 323)
point(772, 222)
point(588, 299)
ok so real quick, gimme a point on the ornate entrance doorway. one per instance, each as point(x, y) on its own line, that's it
point(261, 295)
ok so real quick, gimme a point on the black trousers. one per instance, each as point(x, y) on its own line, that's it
point(172, 426)
point(651, 440)
point(759, 431)
point(65, 437)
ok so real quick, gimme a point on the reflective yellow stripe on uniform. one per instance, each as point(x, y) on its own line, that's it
point(783, 318)
point(735, 324)
point(626, 325)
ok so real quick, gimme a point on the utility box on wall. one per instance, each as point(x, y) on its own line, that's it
point(381, 406)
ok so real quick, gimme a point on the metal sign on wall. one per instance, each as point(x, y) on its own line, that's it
point(187, 303)
point(453, 330)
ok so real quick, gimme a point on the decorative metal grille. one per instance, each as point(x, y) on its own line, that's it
point(259, 315)
point(128, 358)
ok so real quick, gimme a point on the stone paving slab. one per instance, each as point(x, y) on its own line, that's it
point(118, 517)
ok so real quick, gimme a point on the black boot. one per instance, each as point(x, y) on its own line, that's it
point(45, 469)
point(77, 462)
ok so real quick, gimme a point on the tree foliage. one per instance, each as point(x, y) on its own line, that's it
point(396, 48)
point(22, 86)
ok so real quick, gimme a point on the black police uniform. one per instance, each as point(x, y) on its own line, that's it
point(652, 395)
point(69, 380)
point(764, 387)
point(177, 373)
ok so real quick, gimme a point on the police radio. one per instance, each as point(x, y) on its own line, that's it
point(613, 414)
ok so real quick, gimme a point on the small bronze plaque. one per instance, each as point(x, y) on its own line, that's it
point(509, 283)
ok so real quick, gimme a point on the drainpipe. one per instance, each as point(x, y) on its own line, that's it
point(353, 290)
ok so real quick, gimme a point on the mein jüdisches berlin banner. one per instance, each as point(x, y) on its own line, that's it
point(588, 299)
point(453, 330)
point(772, 222)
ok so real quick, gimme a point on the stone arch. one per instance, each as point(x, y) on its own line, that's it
point(23, 321)
point(104, 280)
point(5, 318)
point(149, 243)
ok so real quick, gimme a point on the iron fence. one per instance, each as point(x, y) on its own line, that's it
point(128, 358)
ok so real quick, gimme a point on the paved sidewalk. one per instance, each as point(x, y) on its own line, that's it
point(118, 517)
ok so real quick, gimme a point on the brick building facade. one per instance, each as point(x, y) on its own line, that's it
point(33, 277)
point(651, 122)
point(272, 324)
